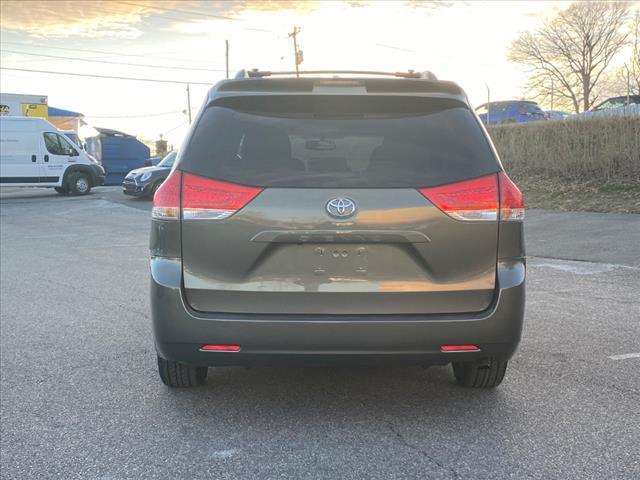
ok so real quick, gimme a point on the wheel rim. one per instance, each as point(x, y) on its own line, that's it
point(82, 185)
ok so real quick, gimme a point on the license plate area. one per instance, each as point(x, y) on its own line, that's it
point(340, 259)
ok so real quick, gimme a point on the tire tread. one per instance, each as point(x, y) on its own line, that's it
point(179, 375)
point(486, 374)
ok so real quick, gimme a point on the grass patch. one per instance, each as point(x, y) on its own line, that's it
point(587, 196)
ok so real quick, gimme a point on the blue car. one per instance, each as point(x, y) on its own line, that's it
point(511, 111)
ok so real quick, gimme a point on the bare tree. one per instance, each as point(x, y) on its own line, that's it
point(568, 56)
point(630, 72)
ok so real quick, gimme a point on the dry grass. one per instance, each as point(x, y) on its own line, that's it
point(602, 149)
point(587, 164)
point(588, 196)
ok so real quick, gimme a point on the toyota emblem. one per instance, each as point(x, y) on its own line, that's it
point(341, 207)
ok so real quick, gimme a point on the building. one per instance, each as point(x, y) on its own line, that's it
point(66, 119)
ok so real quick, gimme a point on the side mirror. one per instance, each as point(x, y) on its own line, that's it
point(73, 152)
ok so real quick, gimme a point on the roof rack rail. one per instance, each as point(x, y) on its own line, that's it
point(256, 73)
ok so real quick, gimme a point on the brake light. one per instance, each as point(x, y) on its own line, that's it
point(166, 201)
point(208, 199)
point(470, 200)
point(511, 199)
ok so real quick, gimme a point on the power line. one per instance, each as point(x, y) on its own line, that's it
point(174, 128)
point(168, 17)
point(393, 47)
point(146, 115)
point(191, 12)
point(114, 77)
point(104, 52)
point(112, 63)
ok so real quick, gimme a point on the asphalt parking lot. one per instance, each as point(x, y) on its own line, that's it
point(80, 396)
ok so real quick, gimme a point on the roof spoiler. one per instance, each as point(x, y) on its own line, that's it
point(255, 73)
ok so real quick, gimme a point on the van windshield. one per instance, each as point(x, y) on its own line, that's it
point(333, 141)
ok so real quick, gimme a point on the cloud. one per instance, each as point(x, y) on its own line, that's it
point(131, 18)
point(299, 7)
point(432, 4)
point(108, 18)
point(63, 19)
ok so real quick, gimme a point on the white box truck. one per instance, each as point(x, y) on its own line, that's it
point(18, 105)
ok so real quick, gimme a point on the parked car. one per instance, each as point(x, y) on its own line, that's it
point(624, 105)
point(36, 154)
point(556, 114)
point(511, 111)
point(143, 182)
point(153, 161)
point(370, 225)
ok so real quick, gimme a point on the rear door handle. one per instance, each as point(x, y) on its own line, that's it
point(46, 158)
point(33, 158)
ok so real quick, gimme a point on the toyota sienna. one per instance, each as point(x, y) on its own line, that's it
point(338, 218)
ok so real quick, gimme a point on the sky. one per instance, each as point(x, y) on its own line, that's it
point(184, 41)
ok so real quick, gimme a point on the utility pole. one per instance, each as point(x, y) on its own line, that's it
point(552, 92)
point(296, 55)
point(189, 103)
point(488, 102)
point(226, 54)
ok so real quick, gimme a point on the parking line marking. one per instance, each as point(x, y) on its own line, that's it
point(624, 356)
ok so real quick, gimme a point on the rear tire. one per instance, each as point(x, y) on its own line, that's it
point(487, 373)
point(61, 190)
point(179, 375)
point(79, 183)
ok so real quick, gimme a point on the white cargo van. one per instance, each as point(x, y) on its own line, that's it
point(33, 153)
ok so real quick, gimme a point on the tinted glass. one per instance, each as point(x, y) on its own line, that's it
point(330, 141)
point(168, 160)
point(74, 138)
point(498, 107)
point(57, 145)
point(531, 107)
point(67, 147)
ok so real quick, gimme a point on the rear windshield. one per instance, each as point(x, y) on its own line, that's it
point(338, 141)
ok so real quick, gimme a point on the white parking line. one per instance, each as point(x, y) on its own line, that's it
point(624, 356)
point(578, 267)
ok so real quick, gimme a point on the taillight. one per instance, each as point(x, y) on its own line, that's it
point(207, 199)
point(479, 199)
point(511, 199)
point(166, 201)
point(471, 200)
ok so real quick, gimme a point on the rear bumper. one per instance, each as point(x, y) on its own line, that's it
point(267, 339)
